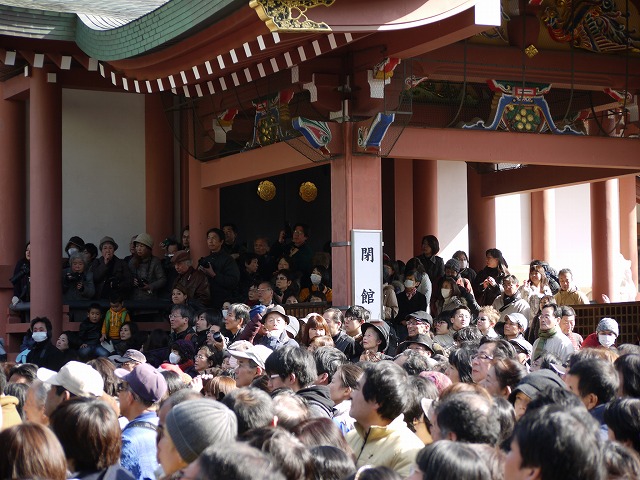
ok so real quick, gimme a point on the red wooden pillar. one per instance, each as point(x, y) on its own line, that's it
point(404, 208)
point(13, 200)
point(45, 209)
point(543, 225)
point(629, 223)
point(159, 173)
point(604, 238)
point(482, 220)
point(356, 203)
point(425, 201)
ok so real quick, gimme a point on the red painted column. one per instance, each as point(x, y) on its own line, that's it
point(604, 233)
point(482, 220)
point(629, 223)
point(45, 209)
point(13, 201)
point(543, 225)
point(204, 211)
point(404, 208)
point(159, 173)
point(356, 203)
point(425, 200)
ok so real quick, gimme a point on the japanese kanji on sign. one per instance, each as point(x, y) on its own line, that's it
point(366, 258)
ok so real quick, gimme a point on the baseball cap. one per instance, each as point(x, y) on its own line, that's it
point(79, 378)
point(145, 381)
point(422, 316)
point(129, 355)
point(257, 353)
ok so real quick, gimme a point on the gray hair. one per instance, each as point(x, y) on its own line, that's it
point(40, 391)
point(78, 256)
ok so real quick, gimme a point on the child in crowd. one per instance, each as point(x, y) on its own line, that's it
point(90, 334)
point(114, 319)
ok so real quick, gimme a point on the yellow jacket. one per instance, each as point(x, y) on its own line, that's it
point(393, 446)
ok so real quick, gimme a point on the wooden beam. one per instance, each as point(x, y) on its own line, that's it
point(540, 177)
point(454, 144)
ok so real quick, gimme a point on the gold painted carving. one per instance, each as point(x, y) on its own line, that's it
point(289, 15)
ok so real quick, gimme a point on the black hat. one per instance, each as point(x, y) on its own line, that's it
point(383, 331)
point(452, 264)
point(534, 383)
point(421, 339)
point(77, 241)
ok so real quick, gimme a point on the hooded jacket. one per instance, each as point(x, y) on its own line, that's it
point(318, 400)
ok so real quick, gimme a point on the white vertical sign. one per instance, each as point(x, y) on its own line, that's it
point(366, 271)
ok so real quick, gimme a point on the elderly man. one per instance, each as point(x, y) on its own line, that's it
point(110, 273)
point(510, 301)
point(193, 281)
point(569, 294)
point(550, 338)
point(139, 394)
point(418, 326)
point(343, 342)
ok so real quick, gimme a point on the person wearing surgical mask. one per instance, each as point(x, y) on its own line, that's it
point(409, 300)
point(605, 336)
point(319, 284)
point(447, 297)
point(43, 353)
point(183, 354)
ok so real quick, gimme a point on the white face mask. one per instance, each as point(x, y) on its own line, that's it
point(445, 292)
point(607, 340)
point(315, 278)
point(72, 250)
point(409, 283)
point(224, 314)
point(39, 336)
point(174, 358)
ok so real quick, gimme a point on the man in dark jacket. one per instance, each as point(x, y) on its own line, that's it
point(295, 368)
point(221, 269)
point(343, 342)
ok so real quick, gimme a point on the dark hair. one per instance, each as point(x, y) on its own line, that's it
point(332, 463)
point(568, 311)
point(253, 407)
point(468, 334)
point(369, 472)
point(596, 376)
point(469, 416)
point(502, 263)
point(184, 311)
point(433, 242)
point(349, 374)
point(106, 370)
point(622, 416)
point(561, 443)
point(328, 360)
point(288, 360)
point(116, 297)
point(174, 382)
point(47, 324)
point(416, 362)
point(628, 367)
point(547, 359)
point(556, 396)
point(508, 372)
point(335, 314)
point(447, 460)
point(28, 371)
point(621, 462)
point(287, 451)
point(30, 450)
point(94, 442)
point(455, 289)
point(219, 233)
point(502, 349)
point(94, 306)
point(419, 388)
point(316, 432)
point(557, 310)
point(305, 227)
point(238, 461)
point(291, 409)
point(386, 384)
point(460, 253)
point(504, 412)
point(359, 312)
point(19, 391)
point(460, 359)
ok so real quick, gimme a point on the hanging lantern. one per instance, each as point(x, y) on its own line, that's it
point(308, 192)
point(266, 190)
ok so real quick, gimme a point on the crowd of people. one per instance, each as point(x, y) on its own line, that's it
point(468, 375)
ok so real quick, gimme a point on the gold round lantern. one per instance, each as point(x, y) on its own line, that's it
point(308, 192)
point(266, 190)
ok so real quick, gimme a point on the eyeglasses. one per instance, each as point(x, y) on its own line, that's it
point(261, 290)
point(416, 322)
point(299, 232)
point(481, 356)
point(281, 278)
point(200, 356)
point(175, 316)
point(483, 319)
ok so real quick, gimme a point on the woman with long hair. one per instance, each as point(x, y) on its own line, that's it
point(488, 283)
